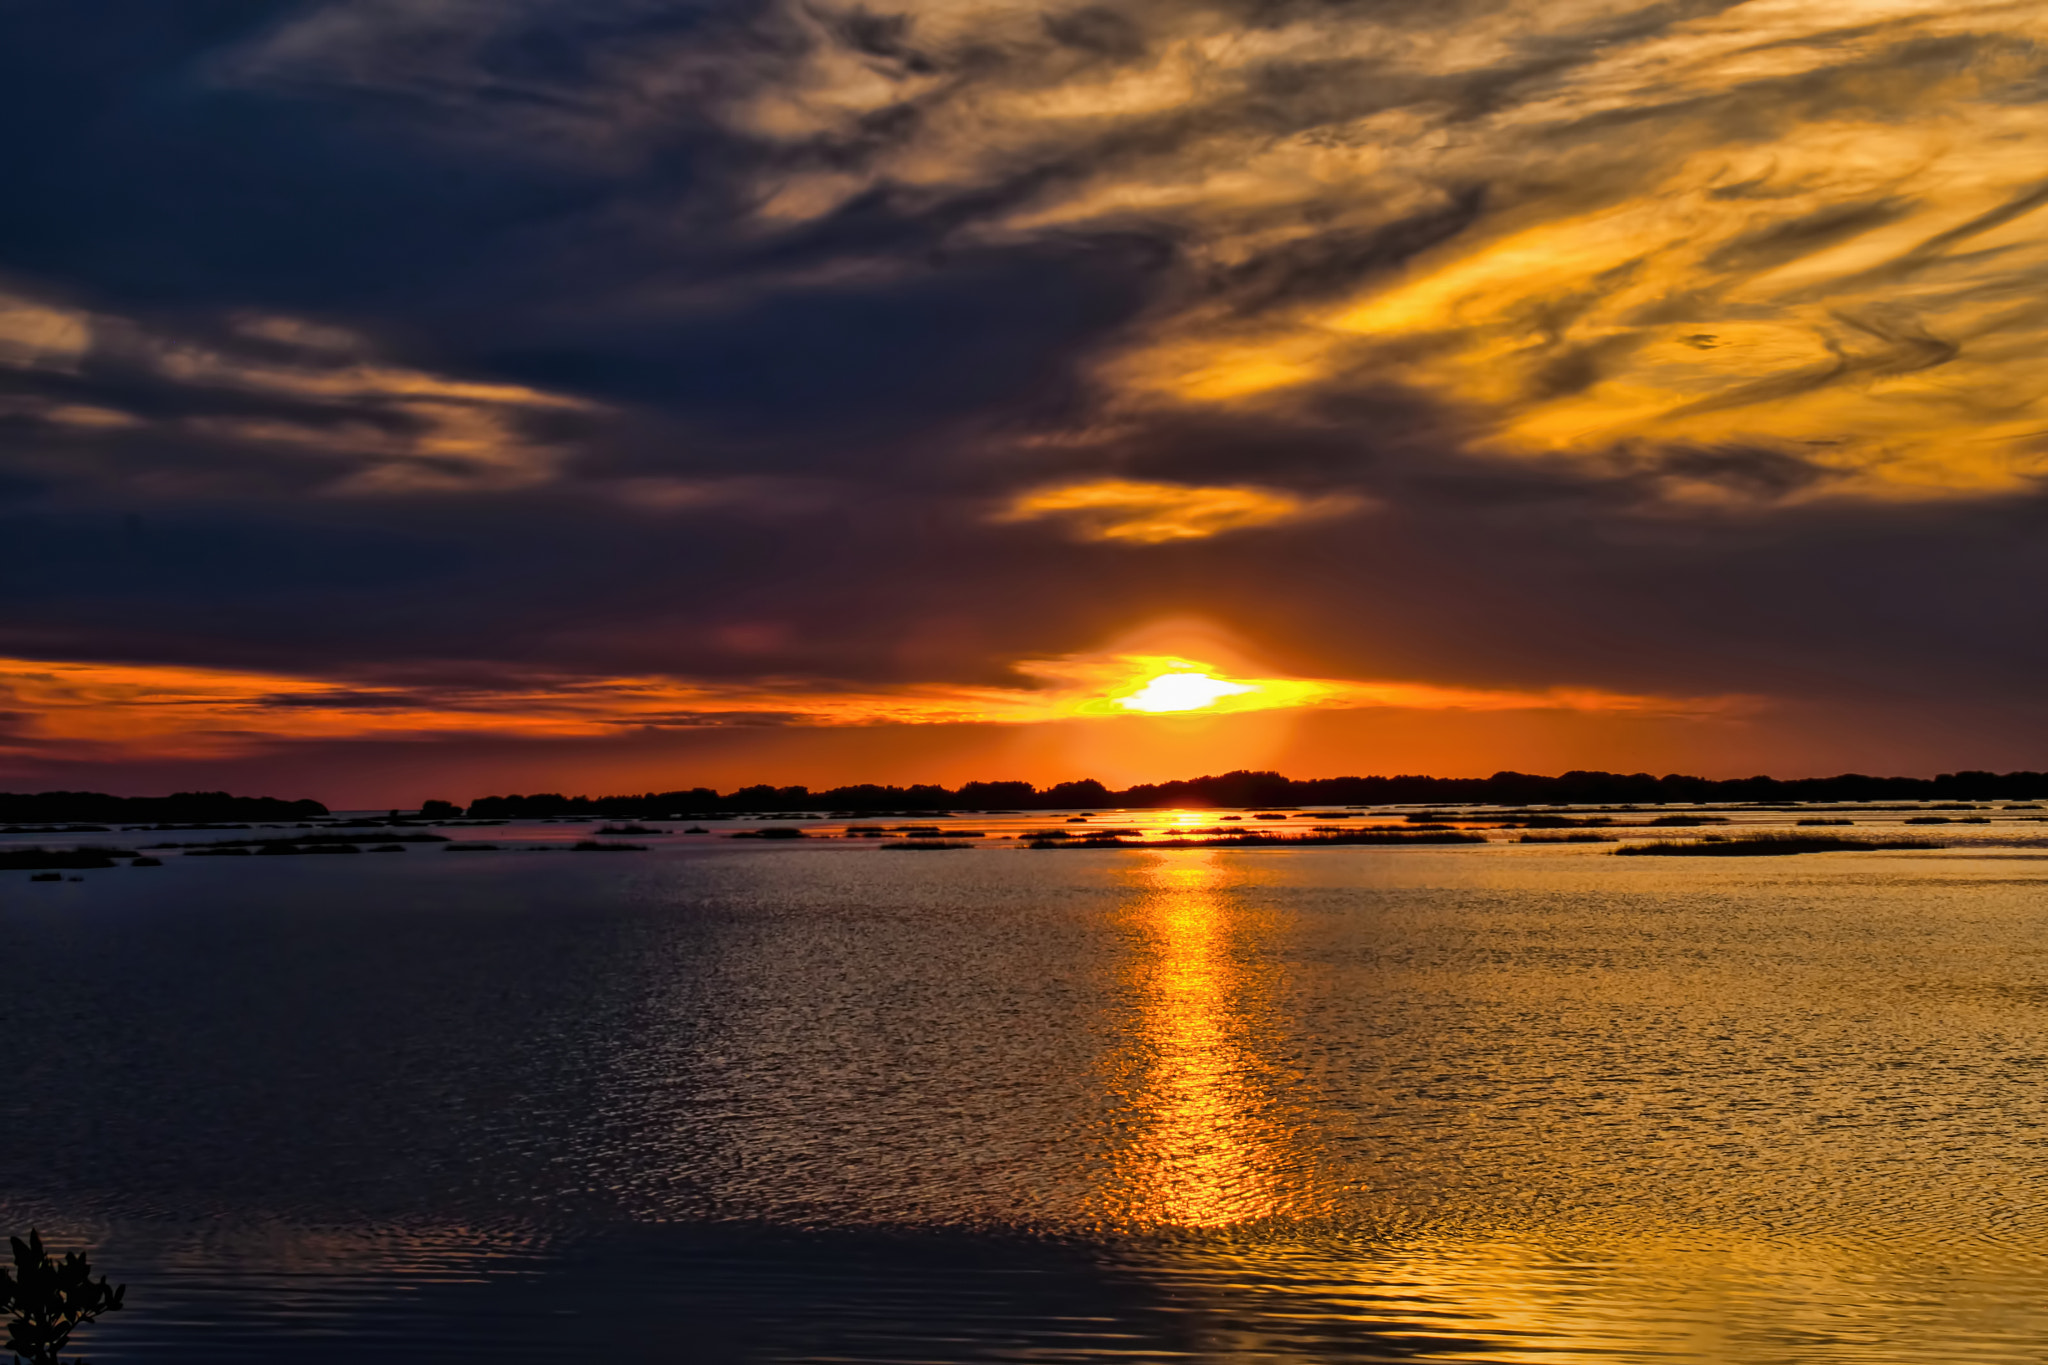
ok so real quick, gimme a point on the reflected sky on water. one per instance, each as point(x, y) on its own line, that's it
point(1490, 1103)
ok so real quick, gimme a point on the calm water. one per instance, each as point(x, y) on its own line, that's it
point(820, 1102)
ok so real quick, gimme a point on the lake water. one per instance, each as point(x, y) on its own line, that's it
point(727, 1101)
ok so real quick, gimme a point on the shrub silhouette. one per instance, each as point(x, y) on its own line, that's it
point(50, 1299)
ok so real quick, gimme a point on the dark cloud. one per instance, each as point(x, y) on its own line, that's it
point(934, 343)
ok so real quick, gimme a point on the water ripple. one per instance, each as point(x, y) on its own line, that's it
point(1491, 1104)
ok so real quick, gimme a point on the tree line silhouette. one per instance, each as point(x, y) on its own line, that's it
point(1241, 789)
point(1223, 790)
point(18, 808)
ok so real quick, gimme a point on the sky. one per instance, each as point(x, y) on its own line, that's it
point(410, 398)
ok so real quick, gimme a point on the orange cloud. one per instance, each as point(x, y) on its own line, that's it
point(176, 711)
point(36, 337)
point(1156, 513)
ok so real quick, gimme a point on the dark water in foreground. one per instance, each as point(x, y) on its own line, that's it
point(715, 1103)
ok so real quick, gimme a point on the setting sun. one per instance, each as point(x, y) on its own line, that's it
point(1182, 692)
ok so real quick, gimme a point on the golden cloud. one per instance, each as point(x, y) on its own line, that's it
point(1142, 513)
point(164, 710)
point(1807, 227)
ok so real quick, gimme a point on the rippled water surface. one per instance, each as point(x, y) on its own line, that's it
point(715, 1102)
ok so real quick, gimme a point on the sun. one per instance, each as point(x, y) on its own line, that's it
point(1182, 692)
point(1167, 685)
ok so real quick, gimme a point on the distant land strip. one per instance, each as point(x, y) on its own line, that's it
point(1247, 789)
point(17, 808)
point(1224, 791)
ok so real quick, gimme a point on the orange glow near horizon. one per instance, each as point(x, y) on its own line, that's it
point(179, 711)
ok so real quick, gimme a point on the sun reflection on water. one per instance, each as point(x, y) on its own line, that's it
point(1201, 1154)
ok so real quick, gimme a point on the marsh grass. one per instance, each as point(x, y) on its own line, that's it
point(297, 842)
point(68, 859)
point(1765, 846)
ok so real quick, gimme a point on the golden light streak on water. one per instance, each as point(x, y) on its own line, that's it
point(1203, 1154)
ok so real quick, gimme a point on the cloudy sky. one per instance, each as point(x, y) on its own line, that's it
point(431, 397)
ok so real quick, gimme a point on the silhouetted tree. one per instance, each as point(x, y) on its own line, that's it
point(49, 1300)
point(989, 795)
point(1086, 792)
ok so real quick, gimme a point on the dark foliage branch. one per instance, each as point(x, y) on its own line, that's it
point(48, 1300)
